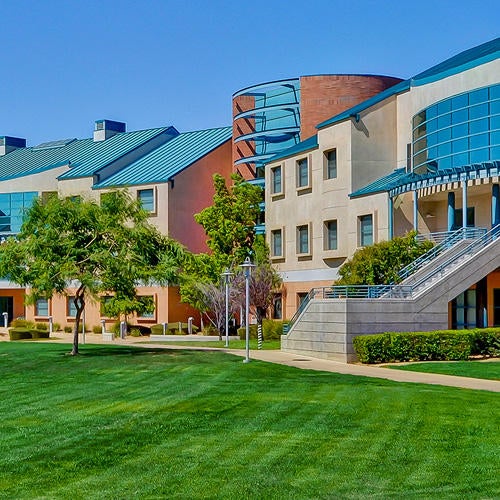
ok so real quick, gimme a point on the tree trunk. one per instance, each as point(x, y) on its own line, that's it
point(79, 302)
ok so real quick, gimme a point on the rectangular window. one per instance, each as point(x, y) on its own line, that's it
point(148, 299)
point(276, 182)
point(147, 199)
point(302, 173)
point(42, 307)
point(331, 164)
point(330, 235)
point(303, 239)
point(277, 243)
point(70, 307)
point(366, 230)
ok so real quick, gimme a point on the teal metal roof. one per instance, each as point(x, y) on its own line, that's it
point(468, 59)
point(84, 156)
point(168, 160)
point(383, 184)
point(301, 147)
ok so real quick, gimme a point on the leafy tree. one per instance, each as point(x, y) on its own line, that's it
point(379, 264)
point(230, 222)
point(106, 248)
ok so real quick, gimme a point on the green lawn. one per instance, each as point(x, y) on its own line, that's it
point(119, 422)
point(221, 344)
point(476, 369)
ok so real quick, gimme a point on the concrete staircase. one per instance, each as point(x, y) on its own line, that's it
point(326, 326)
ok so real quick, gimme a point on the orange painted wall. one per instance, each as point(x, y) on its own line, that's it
point(192, 192)
point(324, 96)
point(17, 302)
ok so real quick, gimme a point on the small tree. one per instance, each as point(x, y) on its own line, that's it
point(107, 248)
point(379, 264)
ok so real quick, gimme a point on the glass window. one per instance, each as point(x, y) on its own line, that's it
point(147, 199)
point(302, 173)
point(444, 121)
point(331, 235)
point(148, 315)
point(495, 138)
point(276, 243)
point(460, 116)
point(479, 141)
point(460, 101)
point(460, 145)
point(303, 239)
point(479, 111)
point(495, 92)
point(459, 160)
point(443, 107)
point(276, 183)
point(479, 155)
point(477, 96)
point(331, 164)
point(70, 307)
point(42, 307)
point(366, 230)
point(495, 107)
point(460, 130)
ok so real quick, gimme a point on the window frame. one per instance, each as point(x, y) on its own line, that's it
point(274, 232)
point(37, 310)
point(361, 233)
point(298, 247)
point(327, 175)
point(298, 169)
point(153, 211)
point(326, 235)
point(274, 170)
point(69, 306)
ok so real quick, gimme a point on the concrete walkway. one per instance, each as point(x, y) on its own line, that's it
point(305, 362)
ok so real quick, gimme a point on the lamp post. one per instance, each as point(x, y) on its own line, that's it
point(247, 266)
point(226, 274)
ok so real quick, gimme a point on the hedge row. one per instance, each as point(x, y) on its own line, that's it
point(27, 333)
point(271, 330)
point(445, 345)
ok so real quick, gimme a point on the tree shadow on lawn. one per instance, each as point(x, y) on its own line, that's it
point(99, 351)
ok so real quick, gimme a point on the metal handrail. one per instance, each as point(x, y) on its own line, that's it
point(446, 242)
point(394, 290)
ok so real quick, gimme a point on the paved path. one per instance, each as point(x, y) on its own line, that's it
point(305, 362)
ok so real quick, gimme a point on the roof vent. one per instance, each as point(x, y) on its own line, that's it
point(104, 129)
point(8, 144)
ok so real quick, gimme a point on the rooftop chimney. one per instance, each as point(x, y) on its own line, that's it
point(8, 144)
point(104, 129)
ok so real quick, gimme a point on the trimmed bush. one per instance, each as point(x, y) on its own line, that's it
point(19, 333)
point(97, 329)
point(271, 330)
point(39, 334)
point(486, 341)
point(42, 326)
point(446, 345)
point(68, 329)
point(22, 323)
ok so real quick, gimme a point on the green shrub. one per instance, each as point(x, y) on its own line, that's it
point(135, 332)
point(271, 330)
point(68, 329)
point(443, 345)
point(22, 323)
point(56, 327)
point(39, 334)
point(157, 329)
point(486, 341)
point(20, 333)
point(42, 326)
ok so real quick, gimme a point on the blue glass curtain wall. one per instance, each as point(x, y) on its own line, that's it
point(461, 130)
point(12, 209)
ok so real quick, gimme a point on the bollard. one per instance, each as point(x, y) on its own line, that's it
point(123, 329)
point(5, 319)
point(103, 326)
point(164, 328)
point(190, 325)
point(51, 325)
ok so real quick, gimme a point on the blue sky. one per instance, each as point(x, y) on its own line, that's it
point(152, 63)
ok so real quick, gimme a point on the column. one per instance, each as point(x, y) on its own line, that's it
point(451, 210)
point(390, 215)
point(495, 205)
point(464, 204)
point(415, 210)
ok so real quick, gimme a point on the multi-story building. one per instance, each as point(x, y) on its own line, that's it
point(424, 155)
point(168, 171)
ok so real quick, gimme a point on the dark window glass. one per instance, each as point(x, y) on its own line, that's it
point(477, 96)
point(331, 164)
point(460, 101)
point(419, 158)
point(419, 132)
point(419, 145)
point(331, 235)
point(302, 173)
point(366, 230)
point(419, 118)
point(277, 246)
point(276, 180)
point(303, 239)
point(147, 199)
point(479, 155)
point(460, 116)
point(42, 307)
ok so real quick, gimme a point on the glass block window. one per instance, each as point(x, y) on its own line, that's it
point(147, 199)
